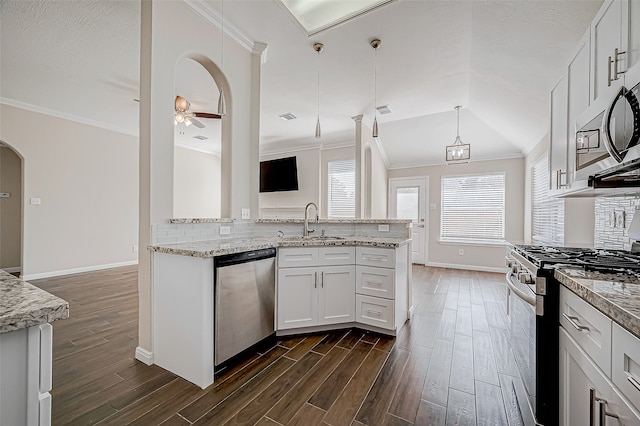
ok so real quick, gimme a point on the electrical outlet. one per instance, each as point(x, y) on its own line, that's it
point(134, 248)
point(246, 213)
point(460, 252)
point(433, 206)
point(225, 230)
point(383, 228)
point(36, 201)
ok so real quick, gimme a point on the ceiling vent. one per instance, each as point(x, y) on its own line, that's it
point(200, 137)
point(384, 109)
point(288, 116)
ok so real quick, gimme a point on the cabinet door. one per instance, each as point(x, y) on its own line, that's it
point(337, 297)
point(578, 97)
point(297, 297)
point(558, 135)
point(607, 31)
point(633, 47)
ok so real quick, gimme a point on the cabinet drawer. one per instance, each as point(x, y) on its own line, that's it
point(294, 257)
point(625, 364)
point(374, 256)
point(588, 326)
point(375, 311)
point(376, 282)
point(338, 255)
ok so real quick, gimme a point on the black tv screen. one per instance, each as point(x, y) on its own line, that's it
point(279, 175)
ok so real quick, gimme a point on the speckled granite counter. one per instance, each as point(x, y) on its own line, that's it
point(348, 221)
point(24, 305)
point(222, 247)
point(620, 301)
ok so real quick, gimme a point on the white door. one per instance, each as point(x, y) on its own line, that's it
point(408, 199)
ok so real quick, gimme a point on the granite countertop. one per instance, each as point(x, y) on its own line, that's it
point(24, 305)
point(354, 221)
point(201, 220)
point(618, 300)
point(222, 247)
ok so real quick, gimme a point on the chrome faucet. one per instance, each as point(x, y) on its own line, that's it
point(306, 230)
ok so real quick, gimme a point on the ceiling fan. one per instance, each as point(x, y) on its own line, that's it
point(183, 115)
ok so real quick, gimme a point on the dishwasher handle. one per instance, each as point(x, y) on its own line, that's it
point(243, 257)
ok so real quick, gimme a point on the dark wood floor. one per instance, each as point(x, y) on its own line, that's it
point(450, 364)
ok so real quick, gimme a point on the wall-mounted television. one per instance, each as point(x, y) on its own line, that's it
point(279, 175)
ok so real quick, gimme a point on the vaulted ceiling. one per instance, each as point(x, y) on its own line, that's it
point(498, 59)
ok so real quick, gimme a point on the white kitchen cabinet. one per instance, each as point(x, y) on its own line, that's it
point(609, 41)
point(558, 137)
point(25, 376)
point(625, 364)
point(315, 295)
point(586, 395)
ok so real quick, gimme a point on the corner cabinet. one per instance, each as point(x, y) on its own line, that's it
point(588, 395)
point(316, 286)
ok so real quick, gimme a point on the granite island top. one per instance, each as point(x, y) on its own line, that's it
point(618, 300)
point(221, 247)
point(24, 305)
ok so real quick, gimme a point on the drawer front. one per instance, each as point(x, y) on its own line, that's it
point(338, 255)
point(588, 326)
point(375, 311)
point(625, 364)
point(294, 257)
point(377, 282)
point(374, 256)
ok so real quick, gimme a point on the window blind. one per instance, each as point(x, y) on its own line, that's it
point(473, 207)
point(342, 189)
point(547, 213)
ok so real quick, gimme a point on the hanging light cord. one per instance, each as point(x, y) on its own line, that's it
point(318, 69)
point(375, 82)
point(222, 42)
point(458, 127)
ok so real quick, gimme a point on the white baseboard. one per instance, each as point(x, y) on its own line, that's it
point(144, 355)
point(467, 267)
point(13, 269)
point(77, 270)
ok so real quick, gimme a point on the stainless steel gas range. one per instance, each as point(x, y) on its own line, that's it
point(533, 313)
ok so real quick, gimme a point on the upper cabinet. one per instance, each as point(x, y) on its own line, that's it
point(558, 136)
point(609, 35)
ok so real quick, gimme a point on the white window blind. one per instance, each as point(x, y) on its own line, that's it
point(547, 213)
point(342, 189)
point(473, 207)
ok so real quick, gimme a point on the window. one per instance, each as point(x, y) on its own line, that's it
point(473, 208)
point(342, 189)
point(547, 213)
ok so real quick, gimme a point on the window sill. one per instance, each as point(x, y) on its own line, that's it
point(474, 242)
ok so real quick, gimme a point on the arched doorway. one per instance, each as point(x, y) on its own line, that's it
point(197, 147)
point(10, 210)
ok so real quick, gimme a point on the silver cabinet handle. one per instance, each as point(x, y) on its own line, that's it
point(374, 312)
point(592, 400)
point(559, 184)
point(322, 279)
point(602, 403)
point(315, 279)
point(572, 321)
point(609, 79)
point(615, 64)
point(634, 382)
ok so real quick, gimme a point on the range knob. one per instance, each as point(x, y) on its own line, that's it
point(526, 278)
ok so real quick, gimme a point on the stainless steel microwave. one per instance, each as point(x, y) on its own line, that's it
point(611, 139)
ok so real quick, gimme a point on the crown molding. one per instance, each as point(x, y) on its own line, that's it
point(212, 16)
point(64, 116)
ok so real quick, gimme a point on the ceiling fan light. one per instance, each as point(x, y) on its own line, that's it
point(187, 122)
point(318, 132)
point(222, 104)
point(179, 117)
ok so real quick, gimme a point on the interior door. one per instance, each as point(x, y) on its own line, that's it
point(408, 199)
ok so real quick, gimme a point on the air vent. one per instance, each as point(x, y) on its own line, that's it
point(200, 137)
point(384, 109)
point(288, 116)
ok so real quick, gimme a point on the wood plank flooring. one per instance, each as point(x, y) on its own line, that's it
point(450, 365)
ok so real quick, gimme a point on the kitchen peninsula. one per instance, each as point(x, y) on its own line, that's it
point(26, 350)
point(351, 273)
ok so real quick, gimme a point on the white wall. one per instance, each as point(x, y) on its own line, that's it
point(487, 257)
point(196, 183)
point(10, 209)
point(87, 179)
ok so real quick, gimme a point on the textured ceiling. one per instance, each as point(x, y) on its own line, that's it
point(498, 59)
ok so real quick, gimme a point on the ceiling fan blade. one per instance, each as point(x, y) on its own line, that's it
point(196, 123)
point(181, 104)
point(206, 115)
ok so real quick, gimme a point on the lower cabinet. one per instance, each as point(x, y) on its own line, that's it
point(587, 396)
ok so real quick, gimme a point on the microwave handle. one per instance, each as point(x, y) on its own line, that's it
point(628, 96)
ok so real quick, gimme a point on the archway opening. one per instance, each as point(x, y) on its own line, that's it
point(10, 209)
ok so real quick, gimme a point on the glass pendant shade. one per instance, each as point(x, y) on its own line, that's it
point(374, 133)
point(318, 132)
point(222, 104)
point(458, 152)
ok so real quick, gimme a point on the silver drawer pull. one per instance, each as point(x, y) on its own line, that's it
point(374, 312)
point(634, 382)
point(572, 321)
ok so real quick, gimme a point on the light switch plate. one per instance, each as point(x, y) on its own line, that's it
point(5, 195)
point(225, 230)
point(36, 201)
point(246, 213)
point(433, 206)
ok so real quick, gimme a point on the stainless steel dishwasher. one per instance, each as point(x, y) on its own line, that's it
point(244, 295)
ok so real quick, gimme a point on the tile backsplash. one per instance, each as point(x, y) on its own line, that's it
point(613, 216)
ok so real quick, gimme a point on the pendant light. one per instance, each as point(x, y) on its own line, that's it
point(222, 103)
point(458, 152)
point(318, 47)
point(375, 43)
